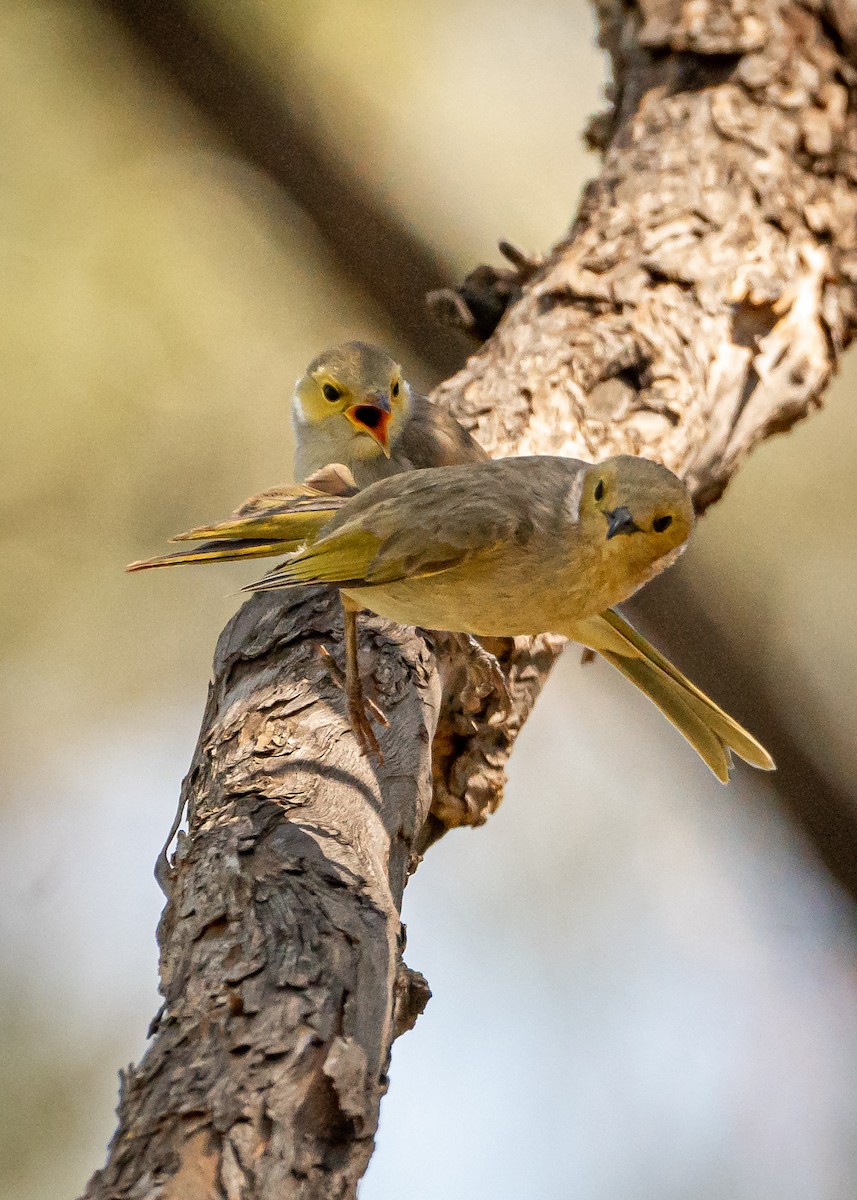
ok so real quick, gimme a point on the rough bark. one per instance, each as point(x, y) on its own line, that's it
point(698, 305)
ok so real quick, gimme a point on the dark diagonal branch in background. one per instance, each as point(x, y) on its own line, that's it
point(251, 114)
point(698, 305)
point(824, 810)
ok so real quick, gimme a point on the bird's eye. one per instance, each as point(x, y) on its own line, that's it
point(661, 523)
point(330, 392)
point(599, 490)
point(395, 388)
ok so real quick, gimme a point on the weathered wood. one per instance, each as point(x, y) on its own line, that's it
point(698, 305)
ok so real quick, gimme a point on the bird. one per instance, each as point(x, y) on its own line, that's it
point(519, 546)
point(354, 406)
point(356, 420)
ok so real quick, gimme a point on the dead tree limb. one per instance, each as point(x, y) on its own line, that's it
point(699, 304)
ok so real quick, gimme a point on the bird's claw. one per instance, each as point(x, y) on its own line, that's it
point(362, 727)
point(489, 667)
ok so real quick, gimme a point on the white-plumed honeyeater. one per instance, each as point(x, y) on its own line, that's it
point(354, 406)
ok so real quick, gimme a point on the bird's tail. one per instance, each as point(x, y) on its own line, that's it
point(275, 522)
point(710, 730)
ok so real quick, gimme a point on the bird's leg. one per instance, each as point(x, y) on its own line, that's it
point(360, 706)
point(357, 701)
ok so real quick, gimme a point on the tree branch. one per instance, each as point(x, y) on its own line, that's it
point(698, 305)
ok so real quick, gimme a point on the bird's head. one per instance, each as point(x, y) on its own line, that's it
point(357, 395)
point(638, 512)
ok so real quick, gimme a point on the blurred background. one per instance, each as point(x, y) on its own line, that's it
point(645, 985)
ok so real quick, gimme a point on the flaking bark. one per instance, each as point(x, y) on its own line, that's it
point(699, 304)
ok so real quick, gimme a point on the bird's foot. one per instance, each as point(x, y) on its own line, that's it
point(358, 715)
point(335, 479)
point(489, 673)
point(361, 709)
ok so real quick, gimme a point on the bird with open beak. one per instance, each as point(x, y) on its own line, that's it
point(353, 405)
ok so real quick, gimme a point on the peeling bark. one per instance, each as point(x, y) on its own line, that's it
point(281, 964)
point(698, 305)
point(707, 286)
point(706, 289)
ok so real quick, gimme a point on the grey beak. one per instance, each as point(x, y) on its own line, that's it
point(381, 400)
point(620, 521)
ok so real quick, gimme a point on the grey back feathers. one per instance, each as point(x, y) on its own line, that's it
point(431, 437)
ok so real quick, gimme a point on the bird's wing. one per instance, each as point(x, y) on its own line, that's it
point(277, 513)
point(221, 550)
point(432, 437)
point(681, 701)
point(414, 525)
point(275, 522)
point(334, 480)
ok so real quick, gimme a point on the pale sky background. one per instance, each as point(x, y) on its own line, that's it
point(644, 985)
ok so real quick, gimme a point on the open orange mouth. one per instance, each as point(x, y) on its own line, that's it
point(370, 419)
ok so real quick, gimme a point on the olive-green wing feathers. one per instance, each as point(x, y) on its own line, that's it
point(275, 522)
point(408, 527)
point(279, 513)
point(216, 551)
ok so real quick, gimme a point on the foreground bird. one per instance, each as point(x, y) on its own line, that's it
point(353, 406)
point(520, 546)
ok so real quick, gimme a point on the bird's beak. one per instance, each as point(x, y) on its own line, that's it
point(373, 416)
point(620, 521)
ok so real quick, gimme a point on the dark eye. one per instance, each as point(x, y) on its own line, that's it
point(599, 490)
point(330, 392)
point(395, 388)
point(661, 523)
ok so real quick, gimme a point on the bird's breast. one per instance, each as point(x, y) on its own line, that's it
point(505, 595)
